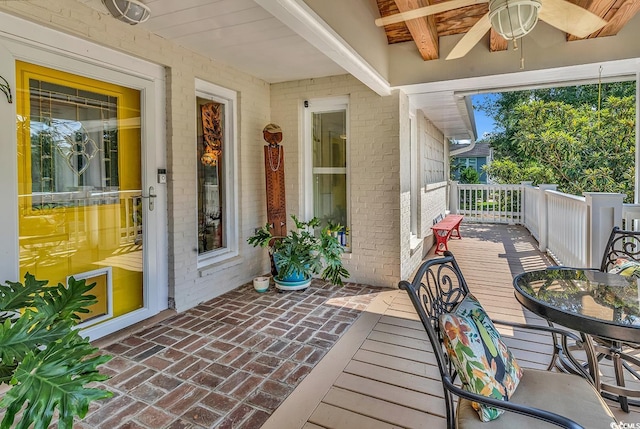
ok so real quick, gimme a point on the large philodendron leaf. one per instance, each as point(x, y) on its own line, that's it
point(29, 332)
point(64, 302)
point(16, 296)
point(54, 378)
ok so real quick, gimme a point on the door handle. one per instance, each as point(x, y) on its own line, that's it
point(150, 197)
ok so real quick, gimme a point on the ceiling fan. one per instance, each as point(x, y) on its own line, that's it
point(512, 19)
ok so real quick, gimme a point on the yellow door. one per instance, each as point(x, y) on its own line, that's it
point(79, 185)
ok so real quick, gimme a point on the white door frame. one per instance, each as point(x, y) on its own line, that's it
point(33, 43)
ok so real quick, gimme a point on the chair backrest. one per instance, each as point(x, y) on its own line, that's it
point(621, 244)
point(438, 218)
point(437, 288)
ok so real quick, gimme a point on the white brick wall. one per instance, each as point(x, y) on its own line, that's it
point(378, 160)
point(374, 167)
point(432, 198)
point(188, 285)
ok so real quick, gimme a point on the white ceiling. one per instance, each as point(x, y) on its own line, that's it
point(285, 40)
point(239, 33)
point(243, 34)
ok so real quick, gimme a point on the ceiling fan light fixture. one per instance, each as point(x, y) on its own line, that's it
point(513, 19)
point(129, 11)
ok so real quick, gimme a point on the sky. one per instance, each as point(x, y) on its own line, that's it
point(484, 123)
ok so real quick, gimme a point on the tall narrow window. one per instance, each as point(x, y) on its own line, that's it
point(215, 169)
point(414, 176)
point(328, 183)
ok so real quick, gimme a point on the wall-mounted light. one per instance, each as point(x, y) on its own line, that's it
point(129, 11)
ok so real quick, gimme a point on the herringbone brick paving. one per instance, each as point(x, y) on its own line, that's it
point(227, 363)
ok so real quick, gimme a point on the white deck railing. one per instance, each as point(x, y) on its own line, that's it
point(491, 203)
point(631, 217)
point(572, 229)
point(567, 229)
point(531, 197)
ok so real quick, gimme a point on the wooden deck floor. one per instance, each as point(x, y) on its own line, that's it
point(382, 373)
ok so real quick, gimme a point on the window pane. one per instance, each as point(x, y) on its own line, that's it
point(329, 139)
point(211, 135)
point(74, 142)
point(330, 197)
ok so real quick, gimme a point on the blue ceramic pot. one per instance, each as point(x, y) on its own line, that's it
point(295, 276)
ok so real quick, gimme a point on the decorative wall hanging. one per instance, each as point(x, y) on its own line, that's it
point(212, 133)
point(274, 178)
point(4, 87)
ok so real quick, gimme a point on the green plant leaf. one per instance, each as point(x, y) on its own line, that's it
point(64, 302)
point(15, 296)
point(30, 331)
point(262, 237)
point(54, 378)
point(6, 372)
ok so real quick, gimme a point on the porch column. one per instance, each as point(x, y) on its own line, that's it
point(454, 197)
point(543, 215)
point(636, 196)
point(604, 211)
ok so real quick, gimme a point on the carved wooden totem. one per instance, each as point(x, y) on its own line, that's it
point(274, 175)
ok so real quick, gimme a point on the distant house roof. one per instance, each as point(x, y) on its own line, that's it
point(479, 150)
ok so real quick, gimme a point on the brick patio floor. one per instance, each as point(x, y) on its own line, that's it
point(228, 363)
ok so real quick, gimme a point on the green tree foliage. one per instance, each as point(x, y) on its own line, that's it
point(574, 137)
point(469, 175)
point(42, 357)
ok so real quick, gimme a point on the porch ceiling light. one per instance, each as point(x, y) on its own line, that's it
point(129, 11)
point(513, 19)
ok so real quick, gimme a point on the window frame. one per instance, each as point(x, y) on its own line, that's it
point(228, 97)
point(320, 105)
point(414, 177)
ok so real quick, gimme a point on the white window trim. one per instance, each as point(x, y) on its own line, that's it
point(229, 98)
point(306, 151)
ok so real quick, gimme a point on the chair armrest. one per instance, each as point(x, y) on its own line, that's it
point(550, 329)
point(536, 413)
point(562, 349)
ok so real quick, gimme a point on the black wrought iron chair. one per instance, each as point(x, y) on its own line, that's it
point(543, 398)
point(622, 244)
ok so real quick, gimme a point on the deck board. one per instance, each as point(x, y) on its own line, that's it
point(386, 411)
point(391, 380)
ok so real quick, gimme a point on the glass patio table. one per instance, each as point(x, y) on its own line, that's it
point(597, 305)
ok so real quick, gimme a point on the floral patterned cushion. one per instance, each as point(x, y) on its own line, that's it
point(484, 363)
point(626, 267)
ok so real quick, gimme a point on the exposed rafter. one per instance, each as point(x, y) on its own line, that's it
point(423, 30)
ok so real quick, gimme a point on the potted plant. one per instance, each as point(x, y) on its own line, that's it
point(302, 253)
point(43, 358)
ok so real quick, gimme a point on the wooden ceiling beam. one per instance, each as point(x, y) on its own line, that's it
point(599, 8)
point(620, 18)
point(497, 42)
point(423, 30)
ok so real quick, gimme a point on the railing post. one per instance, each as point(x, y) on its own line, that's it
point(523, 202)
point(454, 197)
point(543, 215)
point(604, 211)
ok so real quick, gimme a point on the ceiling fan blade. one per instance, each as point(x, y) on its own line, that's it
point(570, 18)
point(426, 11)
point(470, 39)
